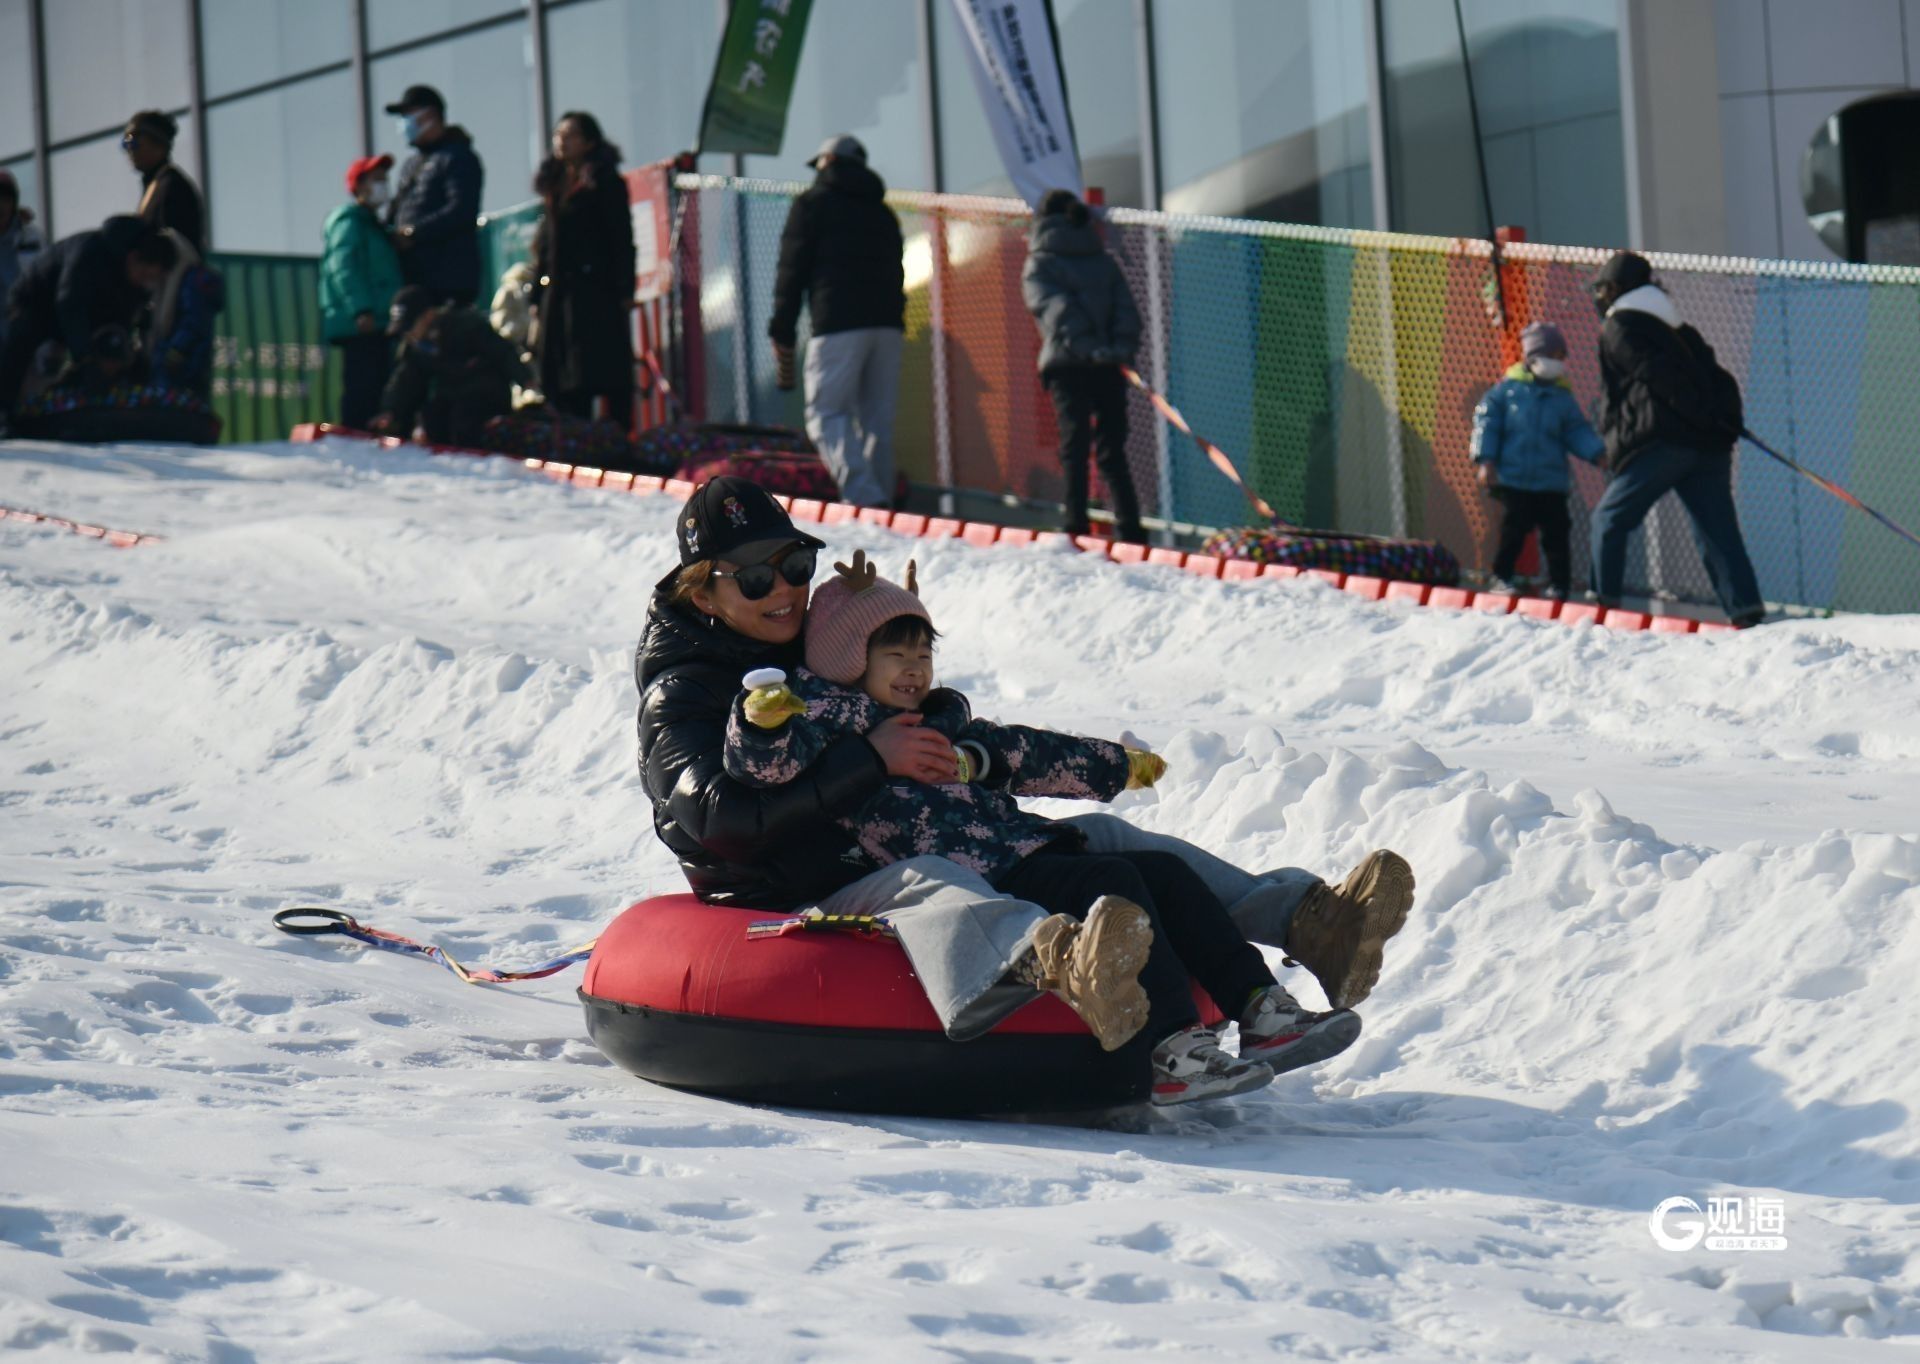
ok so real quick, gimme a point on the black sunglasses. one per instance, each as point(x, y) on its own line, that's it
point(756, 580)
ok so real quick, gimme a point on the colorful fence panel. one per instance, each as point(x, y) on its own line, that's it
point(1340, 369)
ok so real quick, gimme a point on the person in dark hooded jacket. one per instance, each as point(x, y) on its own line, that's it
point(840, 255)
point(436, 208)
point(452, 373)
point(1671, 417)
point(83, 287)
point(1089, 327)
point(586, 257)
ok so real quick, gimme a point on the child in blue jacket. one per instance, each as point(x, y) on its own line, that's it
point(1523, 431)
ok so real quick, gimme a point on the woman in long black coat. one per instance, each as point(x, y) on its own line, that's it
point(585, 255)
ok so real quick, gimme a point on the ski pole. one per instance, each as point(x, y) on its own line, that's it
point(312, 919)
point(1830, 486)
point(1215, 453)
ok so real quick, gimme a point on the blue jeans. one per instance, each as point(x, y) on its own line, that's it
point(1704, 484)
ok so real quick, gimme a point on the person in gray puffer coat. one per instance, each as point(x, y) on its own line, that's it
point(1089, 327)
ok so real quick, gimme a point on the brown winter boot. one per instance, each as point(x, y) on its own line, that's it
point(1095, 966)
point(1338, 931)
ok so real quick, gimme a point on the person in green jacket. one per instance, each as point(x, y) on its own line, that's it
point(359, 275)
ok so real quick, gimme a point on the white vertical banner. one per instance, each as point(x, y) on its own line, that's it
point(1017, 72)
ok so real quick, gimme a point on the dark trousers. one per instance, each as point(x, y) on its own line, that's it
point(1090, 403)
point(578, 402)
point(1525, 513)
point(1704, 484)
point(364, 363)
point(456, 414)
point(16, 357)
point(1192, 933)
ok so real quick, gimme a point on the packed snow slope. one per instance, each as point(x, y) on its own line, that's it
point(1664, 945)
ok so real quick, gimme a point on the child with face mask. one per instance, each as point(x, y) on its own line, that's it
point(1144, 915)
point(1523, 431)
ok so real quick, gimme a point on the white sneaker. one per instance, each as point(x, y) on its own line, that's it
point(1191, 1065)
point(1277, 1030)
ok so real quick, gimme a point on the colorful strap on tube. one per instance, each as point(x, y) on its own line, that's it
point(311, 919)
point(867, 925)
point(1830, 486)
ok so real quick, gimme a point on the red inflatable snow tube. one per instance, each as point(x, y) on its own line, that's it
point(677, 993)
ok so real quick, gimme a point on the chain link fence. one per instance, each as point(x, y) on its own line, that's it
point(1340, 369)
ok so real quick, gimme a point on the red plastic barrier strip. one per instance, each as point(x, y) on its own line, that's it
point(119, 539)
point(983, 534)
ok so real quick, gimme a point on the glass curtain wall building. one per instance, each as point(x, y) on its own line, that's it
point(1350, 113)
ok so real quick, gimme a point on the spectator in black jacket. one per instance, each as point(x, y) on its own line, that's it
point(169, 198)
point(78, 291)
point(1089, 327)
point(436, 209)
point(840, 255)
point(585, 252)
point(453, 371)
point(1671, 417)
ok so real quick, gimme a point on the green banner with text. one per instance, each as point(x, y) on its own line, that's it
point(746, 107)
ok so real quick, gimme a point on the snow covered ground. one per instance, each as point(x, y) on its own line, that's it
point(1664, 946)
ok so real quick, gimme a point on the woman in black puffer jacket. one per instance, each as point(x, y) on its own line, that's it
point(585, 254)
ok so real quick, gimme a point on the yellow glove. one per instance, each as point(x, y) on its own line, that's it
point(1143, 768)
point(770, 702)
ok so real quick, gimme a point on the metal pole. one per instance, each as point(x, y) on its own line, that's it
point(1377, 118)
point(742, 310)
point(1149, 105)
point(937, 272)
point(37, 55)
point(197, 109)
point(1480, 159)
point(1155, 252)
point(362, 95)
point(542, 91)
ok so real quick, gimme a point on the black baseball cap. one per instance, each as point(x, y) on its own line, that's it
point(736, 519)
point(418, 97)
point(406, 308)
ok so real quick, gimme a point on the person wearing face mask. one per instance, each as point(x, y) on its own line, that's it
point(359, 275)
point(452, 373)
point(1523, 431)
point(436, 206)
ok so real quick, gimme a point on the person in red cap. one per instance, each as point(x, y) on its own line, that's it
point(359, 275)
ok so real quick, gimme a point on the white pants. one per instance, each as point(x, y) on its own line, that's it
point(962, 935)
point(853, 387)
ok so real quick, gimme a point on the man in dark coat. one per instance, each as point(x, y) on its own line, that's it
point(168, 197)
point(80, 290)
point(584, 251)
point(452, 373)
point(1671, 417)
point(1089, 327)
point(840, 256)
point(436, 209)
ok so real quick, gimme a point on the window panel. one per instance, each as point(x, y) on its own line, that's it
point(401, 21)
point(859, 73)
point(639, 66)
point(108, 58)
point(1263, 110)
point(250, 42)
point(16, 80)
point(282, 162)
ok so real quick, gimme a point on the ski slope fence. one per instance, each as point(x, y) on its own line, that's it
point(1340, 369)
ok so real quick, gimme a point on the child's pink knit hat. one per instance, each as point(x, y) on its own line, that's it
point(846, 611)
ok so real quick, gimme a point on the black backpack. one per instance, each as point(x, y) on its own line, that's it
point(1720, 407)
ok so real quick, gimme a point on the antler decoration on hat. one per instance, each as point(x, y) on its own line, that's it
point(913, 580)
point(862, 576)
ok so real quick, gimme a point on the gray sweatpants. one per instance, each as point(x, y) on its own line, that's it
point(961, 934)
point(853, 387)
